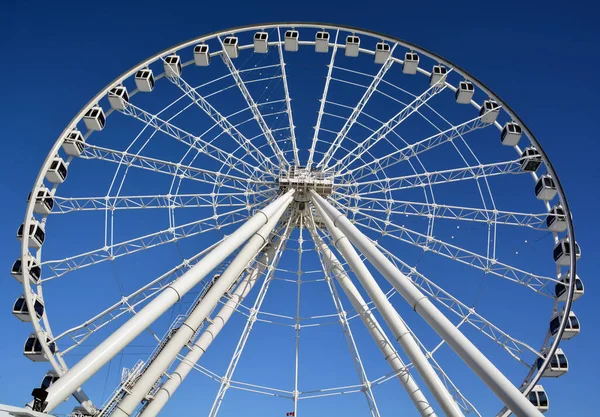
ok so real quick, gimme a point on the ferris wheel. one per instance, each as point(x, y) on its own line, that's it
point(269, 211)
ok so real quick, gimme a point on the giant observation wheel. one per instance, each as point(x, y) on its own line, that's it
point(383, 201)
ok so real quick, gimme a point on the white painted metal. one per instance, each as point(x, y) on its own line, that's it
point(199, 347)
point(390, 315)
point(373, 326)
point(482, 366)
point(252, 317)
point(387, 64)
point(112, 345)
point(190, 326)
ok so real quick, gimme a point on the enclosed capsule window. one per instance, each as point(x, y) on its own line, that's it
point(33, 266)
point(556, 221)
point(144, 80)
point(530, 159)
point(352, 46)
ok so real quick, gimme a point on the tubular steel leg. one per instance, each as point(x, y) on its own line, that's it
point(191, 324)
point(374, 328)
point(390, 315)
point(164, 394)
point(112, 345)
point(482, 366)
point(225, 381)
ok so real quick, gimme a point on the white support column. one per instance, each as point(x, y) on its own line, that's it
point(381, 340)
point(112, 345)
point(164, 394)
point(391, 316)
point(482, 366)
point(190, 326)
point(252, 318)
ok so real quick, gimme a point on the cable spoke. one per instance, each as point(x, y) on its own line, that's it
point(436, 177)
point(128, 304)
point(540, 284)
point(323, 102)
point(288, 99)
point(159, 201)
point(391, 124)
point(58, 268)
point(357, 110)
point(413, 208)
point(415, 149)
point(225, 380)
point(513, 346)
point(207, 148)
point(170, 168)
point(360, 370)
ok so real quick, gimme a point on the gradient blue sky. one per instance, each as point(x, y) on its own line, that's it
point(540, 57)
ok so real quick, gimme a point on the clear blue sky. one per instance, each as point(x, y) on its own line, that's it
point(541, 58)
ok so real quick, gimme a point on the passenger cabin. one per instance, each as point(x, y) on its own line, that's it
point(530, 159)
point(382, 52)
point(201, 55)
point(44, 202)
point(464, 92)
point(537, 396)
point(36, 234)
point(556, 220)
point(489, 111)
point(50, 378)
point(562, 252)
point(21, 311)
point(261, 42)
point(352, 46)
point(73, 143)
point(322, 42)
point(545, 188)
point(572, 327)
point(230, 44)
point(561, 289)
point(290, 42)
point(118, 97)
point(57, 172)
point(33, 348)
point(94, 118)
point(511, 133)
point(438, 74)
point(411, 63)
point(172, 66)
point(33, 268)
point(144, 80)
point(558, 364)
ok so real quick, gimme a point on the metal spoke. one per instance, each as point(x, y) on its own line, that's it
point(360, 370)
point(254, 108)
point(288, 100)
point(357, 110)
point(226, 379)
point(414, 149)
point(60, 267)
point(437, 177)
point(390, 125)
point(540, 284)
point(160, 201)
point(442, 211)
point(513, 346)
point(170, 168)
point(207, 148)
point(323, 101)
point(127, 305)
